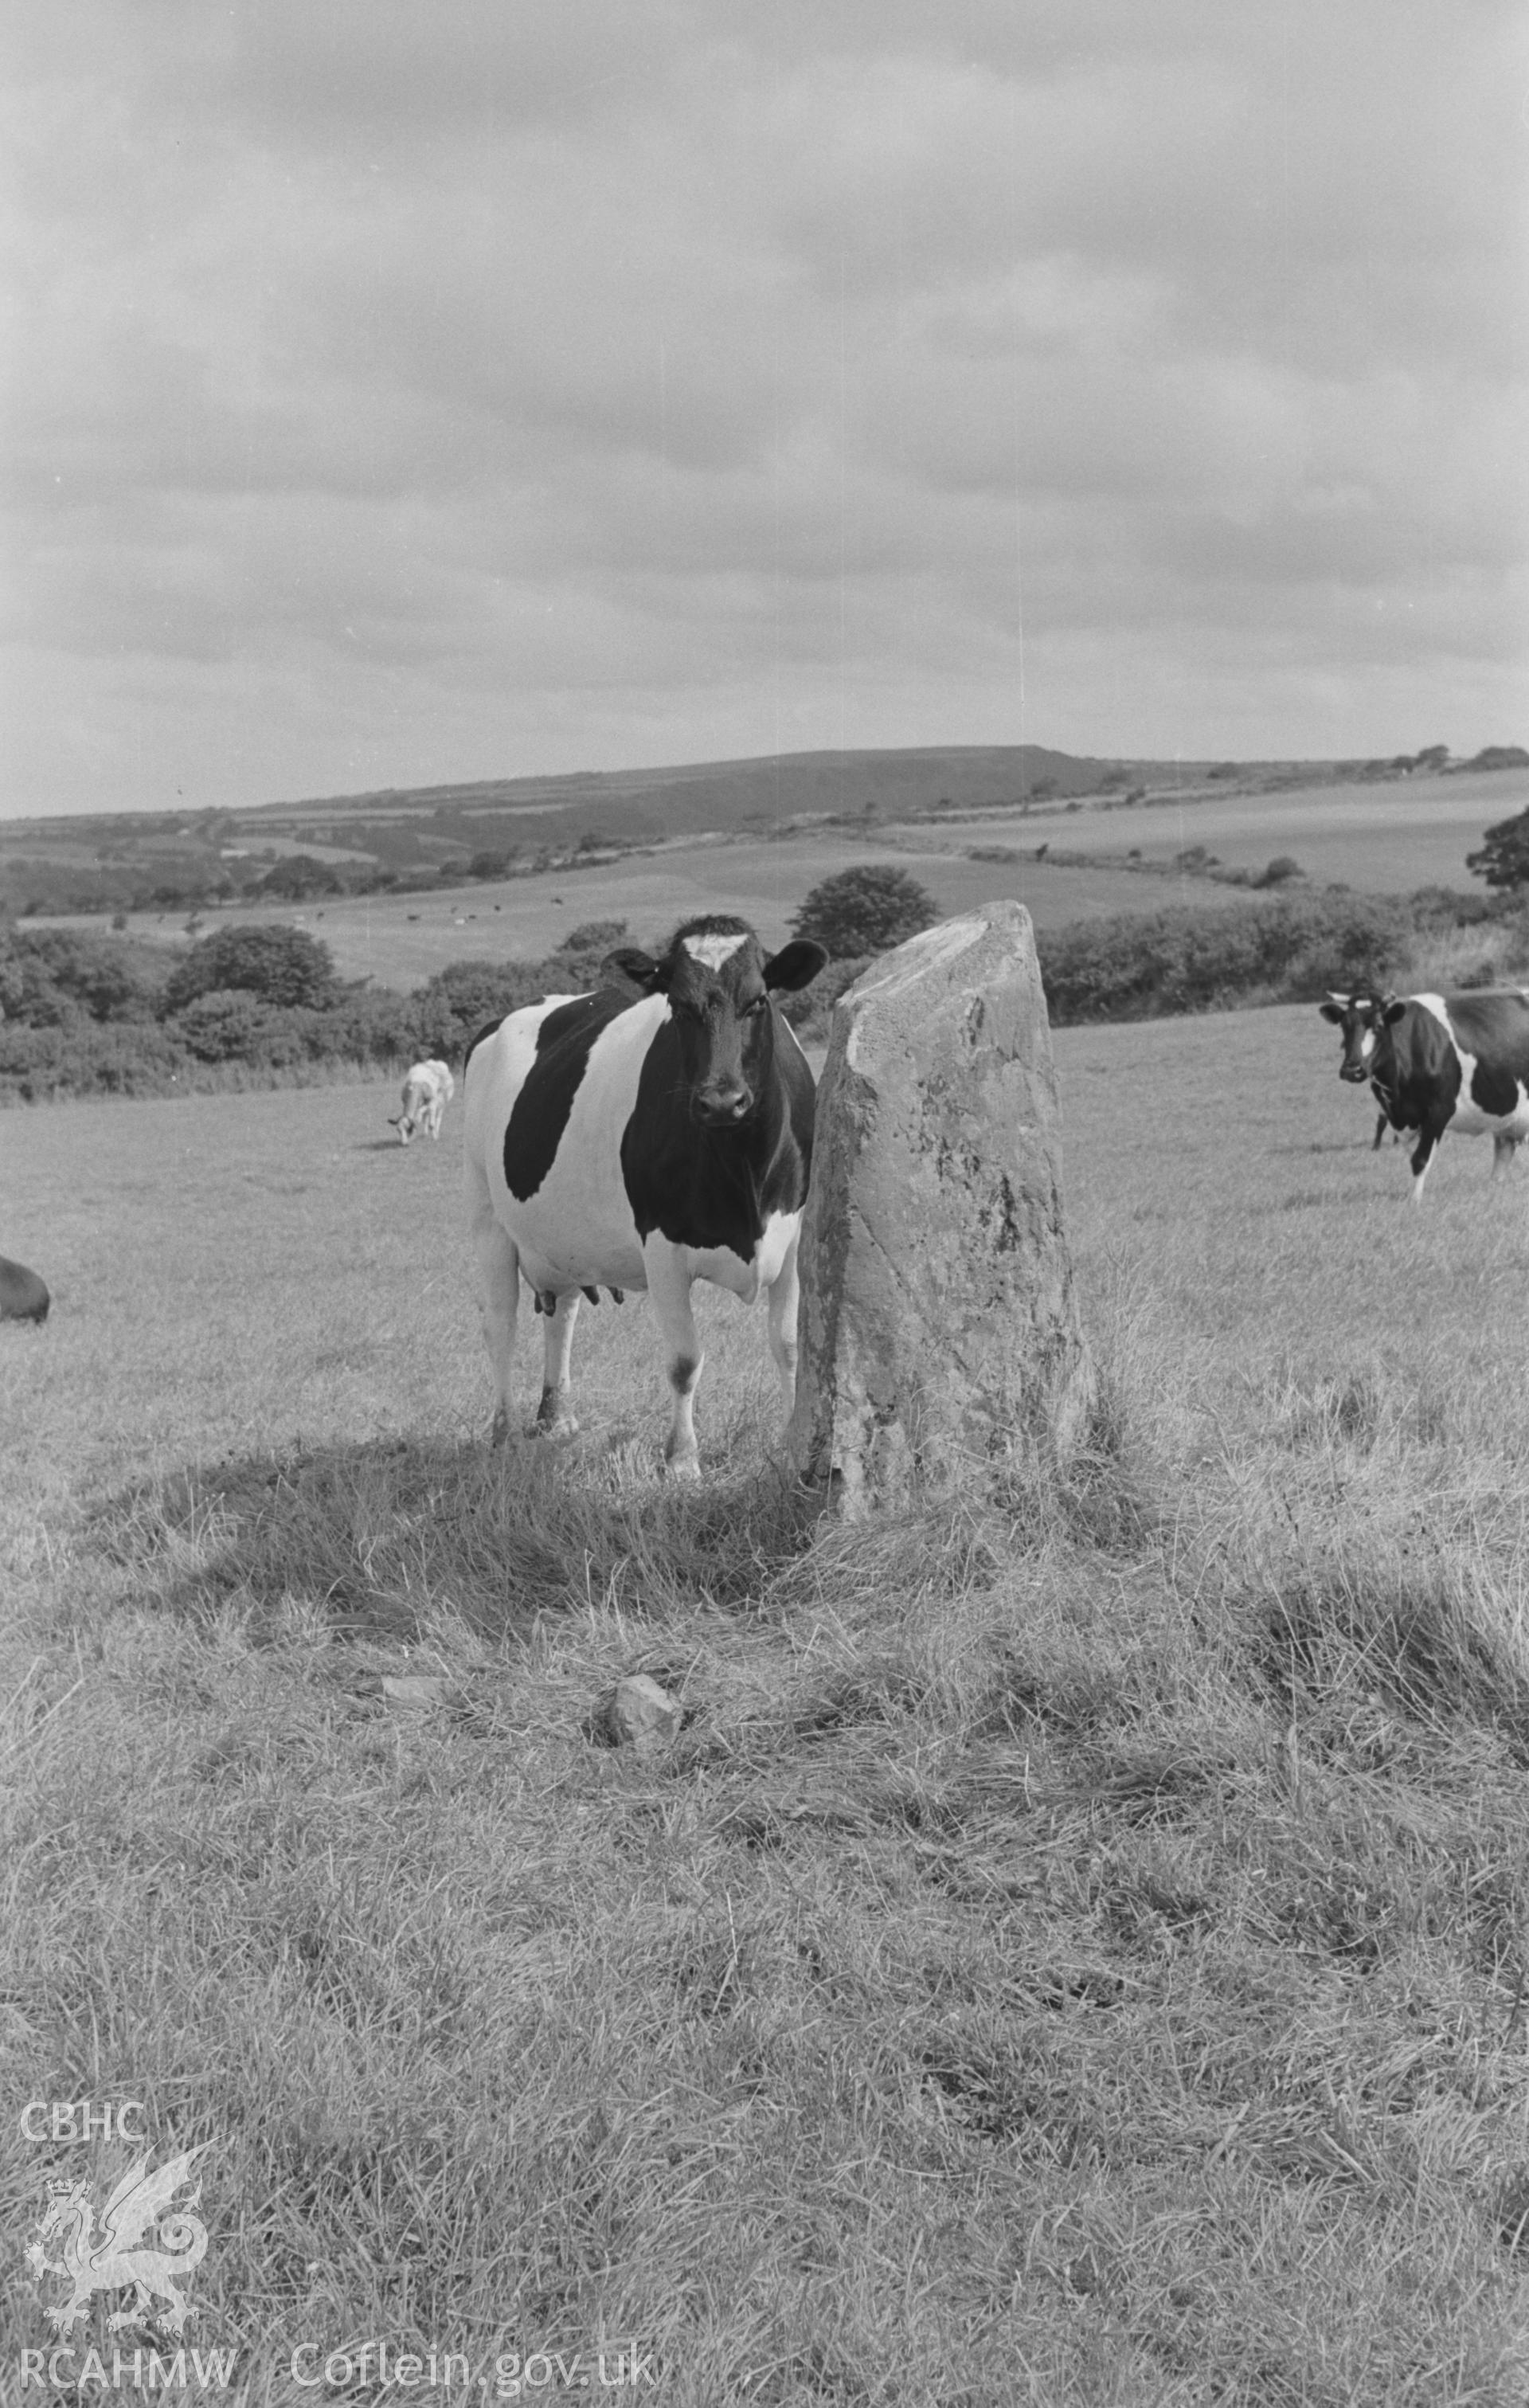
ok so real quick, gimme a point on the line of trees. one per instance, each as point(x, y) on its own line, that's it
point(88, 1014)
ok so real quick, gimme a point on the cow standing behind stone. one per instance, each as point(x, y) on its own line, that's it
point(427, 1090)
point(24, 1296)
point(1441, 1062)
point(644, 1137)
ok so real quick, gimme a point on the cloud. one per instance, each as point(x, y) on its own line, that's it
point(533, 387)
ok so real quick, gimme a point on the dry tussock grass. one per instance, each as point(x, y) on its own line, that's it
point(1075, 1949)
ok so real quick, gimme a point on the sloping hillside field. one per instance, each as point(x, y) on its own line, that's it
point(1387, 839)
point(401, 941)
point(1074, 1950)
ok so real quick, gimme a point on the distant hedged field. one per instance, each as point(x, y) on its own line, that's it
point(88, 1014)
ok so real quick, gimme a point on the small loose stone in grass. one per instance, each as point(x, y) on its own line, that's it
point(640, 1713)
point(414, 1690)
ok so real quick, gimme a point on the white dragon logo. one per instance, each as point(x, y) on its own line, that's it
point(111, 2259)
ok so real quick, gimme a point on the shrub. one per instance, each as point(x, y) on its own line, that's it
point(1136, 965)
point(809, 1009)
point(51, 977)
point(592, 937)
point(228, 1024)
point(866, 910)
point(299, 876)
point(447, 1011)
point(575, 967)
point(374, 1025)
point(1281, 870)
point(114, 1058)
point(279, 966)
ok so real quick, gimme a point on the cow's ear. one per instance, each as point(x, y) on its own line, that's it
point(1333, 1011)
point(633, 970)
point(1391, 1013)
point(794, 966)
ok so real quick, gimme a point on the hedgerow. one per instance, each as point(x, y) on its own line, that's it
point(1288, 949)
point(94, 1015)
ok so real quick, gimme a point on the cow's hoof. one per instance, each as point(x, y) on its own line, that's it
point(686, 1468)
point(559, 1426)
point(499, 1428)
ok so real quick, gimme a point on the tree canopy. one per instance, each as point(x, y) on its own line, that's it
point(50, 977)
point(300, 877)
point(1504, 857)
point(281, 966)
point(866, 910)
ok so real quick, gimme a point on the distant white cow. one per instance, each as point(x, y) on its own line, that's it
point(427, 1090)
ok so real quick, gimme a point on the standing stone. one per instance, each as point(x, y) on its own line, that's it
point(938, 1322)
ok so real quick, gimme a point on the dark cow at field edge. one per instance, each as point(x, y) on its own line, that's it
point(1441, 1062)
point(1359, 1017)
point(644, 1137)
point(24, 1296)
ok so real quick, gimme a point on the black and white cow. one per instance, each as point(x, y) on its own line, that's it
point(1438, 1062)
point(1358, 1016)
point(24, 1296)
point(644, 1139)
point(428, 1088)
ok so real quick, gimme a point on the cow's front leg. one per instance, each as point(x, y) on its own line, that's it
point(499, 1267)
point(1422, 1156)
point(1504, 1147)
point(784, 1293)
point(669, 1286)
point(555, 1414)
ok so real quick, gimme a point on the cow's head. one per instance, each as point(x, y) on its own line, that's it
point(1361, 1016)
point(718, 985)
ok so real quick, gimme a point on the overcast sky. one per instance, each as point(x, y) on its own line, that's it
point(413, 390)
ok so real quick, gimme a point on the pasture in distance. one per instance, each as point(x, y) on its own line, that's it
point(1391, 837)
point(402, 940)
point(1074, 1951)
point(1388, 838)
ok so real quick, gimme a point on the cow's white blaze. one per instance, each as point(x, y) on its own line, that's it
point(711, 952)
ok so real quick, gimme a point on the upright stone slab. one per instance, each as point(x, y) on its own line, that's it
point(939, 1321)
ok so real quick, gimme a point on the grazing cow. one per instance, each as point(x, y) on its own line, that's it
point(1359, 1017)
point(427, 1090)
point(1439, 1062)
point(644, 1139)
point(24, 1296)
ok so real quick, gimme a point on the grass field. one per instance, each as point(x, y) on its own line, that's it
point(1075, 1950)
point(1387, 839)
